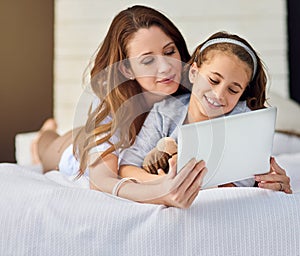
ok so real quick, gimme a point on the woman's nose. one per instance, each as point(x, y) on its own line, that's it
point(164, 64)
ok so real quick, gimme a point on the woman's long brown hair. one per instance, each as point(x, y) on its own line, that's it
point(114, 90)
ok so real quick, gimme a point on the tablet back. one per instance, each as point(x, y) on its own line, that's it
point(234, 147)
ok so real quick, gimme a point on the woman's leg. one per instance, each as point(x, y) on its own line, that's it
point(48, 146)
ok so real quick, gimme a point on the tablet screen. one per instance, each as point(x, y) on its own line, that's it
point(234, 147)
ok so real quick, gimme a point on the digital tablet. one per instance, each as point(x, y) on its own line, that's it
point(234, 147)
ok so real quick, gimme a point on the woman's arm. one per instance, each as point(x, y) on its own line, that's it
point(173, 189)
point(103, 173)
point(275, 179)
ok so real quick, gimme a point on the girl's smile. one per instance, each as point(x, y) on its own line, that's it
point(217, 85)
point(214, 103)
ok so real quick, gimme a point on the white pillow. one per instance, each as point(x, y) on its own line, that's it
point(285, 144)
point(291, 162)
point(23, 144)
point(288, 114)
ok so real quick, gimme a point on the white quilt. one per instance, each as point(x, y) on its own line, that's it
point(50, 215)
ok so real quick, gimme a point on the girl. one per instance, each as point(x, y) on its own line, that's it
point(134, 37)
point(228, 78)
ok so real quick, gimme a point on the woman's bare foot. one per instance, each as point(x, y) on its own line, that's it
point(49, 124)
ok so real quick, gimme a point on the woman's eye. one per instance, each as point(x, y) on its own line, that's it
point(147, 60)
point(170, 52)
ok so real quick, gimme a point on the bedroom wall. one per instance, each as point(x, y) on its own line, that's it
point(81, 25)
point(26, 69)
point(293, 8)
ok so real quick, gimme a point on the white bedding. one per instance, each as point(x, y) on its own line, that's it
point(51, 215)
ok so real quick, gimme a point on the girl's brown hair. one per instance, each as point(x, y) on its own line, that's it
point(255, 93)
point(114, 89)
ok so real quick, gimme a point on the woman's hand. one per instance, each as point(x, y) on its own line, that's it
point(180, 189)
point(275, 179)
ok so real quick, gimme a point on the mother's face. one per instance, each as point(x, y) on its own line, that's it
point(155, 61)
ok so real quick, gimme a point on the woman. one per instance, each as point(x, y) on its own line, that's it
point(135, 36)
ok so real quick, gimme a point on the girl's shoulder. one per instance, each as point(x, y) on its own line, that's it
point(241, 107)
point(173, 102)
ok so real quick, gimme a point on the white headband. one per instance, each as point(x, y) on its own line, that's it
point(236, 42)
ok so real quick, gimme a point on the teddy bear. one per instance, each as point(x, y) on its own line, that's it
point(158, 157)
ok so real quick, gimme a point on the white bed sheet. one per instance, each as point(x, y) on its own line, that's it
point(51, 215)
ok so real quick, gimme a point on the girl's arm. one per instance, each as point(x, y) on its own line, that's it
point(131, 159)
point(139, 173)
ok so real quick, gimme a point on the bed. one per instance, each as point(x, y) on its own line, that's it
point(53, 215)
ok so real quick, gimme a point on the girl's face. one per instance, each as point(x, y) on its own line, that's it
point(218, 84)
point(155, 61)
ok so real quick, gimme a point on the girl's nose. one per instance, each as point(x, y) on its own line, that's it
point(219, 91)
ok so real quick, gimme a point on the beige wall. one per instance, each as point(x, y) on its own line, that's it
point(26, 69)
point(81, 25)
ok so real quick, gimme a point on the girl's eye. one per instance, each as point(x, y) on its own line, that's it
point(233, 91)
point(213, 81)
point(147, 60)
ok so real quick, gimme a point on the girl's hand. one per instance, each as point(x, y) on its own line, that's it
point(180, 189)
point(161, 172)
point(276, 179)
